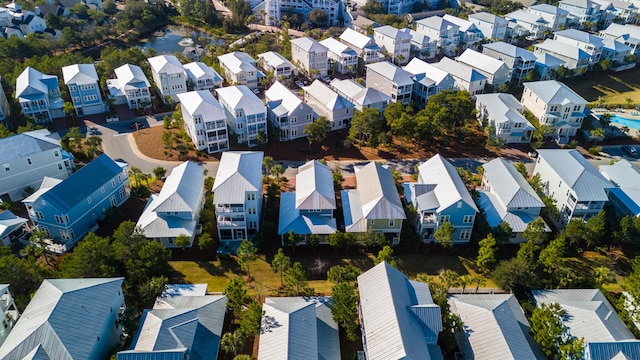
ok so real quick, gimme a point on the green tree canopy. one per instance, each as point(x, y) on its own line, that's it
point(344, 297)
point(280, 264)
point(486, 254)
point(444, 234)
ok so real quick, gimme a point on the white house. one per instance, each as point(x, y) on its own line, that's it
point(310, 55)
point(390, 80)
point(445, 33)
point(628, 34)
point(361, 97)
point(617, 52)
point(617, 10)
point(205, 121)
point(422, 46)
point(491, 26)
point(625, 196)
point(240, 69)
point(503, 112)
point(39, 95)
point(395, 43)
point(466, 77)
point(496, 71)
point(556, 18)
point(589, 43)
point(547, 65)
point(470, 36)
point(130, 87)
point(202, 77)
point(428, 80)
point(169, 76)
point(277, 64)
point(364, 45)
point(581, 11)
point(287, 112)
point(519, 60)
point(11, 228)
point(574, 58)
point(246, 114)
point(342, 58)
point(8, 308)
point(328, 103)
point(533, 26)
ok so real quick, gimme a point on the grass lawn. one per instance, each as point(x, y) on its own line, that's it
point(615, 88)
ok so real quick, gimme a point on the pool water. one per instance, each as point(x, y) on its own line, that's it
point(630, 123)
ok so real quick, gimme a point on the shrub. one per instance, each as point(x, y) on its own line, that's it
point(595, 150)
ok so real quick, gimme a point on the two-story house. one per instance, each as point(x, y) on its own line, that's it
point(556, 18)
point(309, 209)
point(175, 211)
point(390, 80)
point(466, 77)
point(364, 45)
point(342, 58)
point(237, 196)
point(625, 196)
point(287, 112)
point(9, 308)
point(169, 76)
point(470, 35)
point(395, 43)
point(272, 11)
point(361, 97)
point(445, 33)
point(520, 61)
point(328, 103)
point(422, 46)
point(440, 196)
point(311, 56)
point(240, 69)
point(532, 25)
point(202, 77)
point(375, 204)
point(82, 81)
point(574, 58)
point(577, 187)
point(29, 157)
point(276, 64)
point(591, 44)
point(130, 87)
point(492, 26)
point(496, 71)
point(428, 80)
point(66, 210)
point(246, 114)
point(582, 11)
point(205, 120)
point(503, 113)
point(39, 96)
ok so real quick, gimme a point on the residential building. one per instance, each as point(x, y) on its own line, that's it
point(398, 317)
point(503, 113)
point(581, 11)
point(237, 196)
point(507, 197)
point(466, 77)
point(246, 114)
point(492, 26)
point(326, 102)
point(309, 209)
point(4, 105)
point(470, 35)
point(169, 76)
point(520, 61)
point(445, 33)
point(287, 112)
point(82, 81)
point(364, 45)
point(175, 211)
point(205, 121)
point(8, 308)
point(361, 97)
point(394, 43)
point(29, 157)
point(39, 96)
point(311, 56)
point(240, 69)
point(625, 196)
point(274, 9)
point(532, 26)
point(495, 327)
point(628, 34)
point(390, 80)
point(11, 228)
point(69, 319)
point(578, 189)
point(556, 18)
point(298, 328)
point(363, 25)
point(617, 10)
point(574, 58)
point(130, 87)
point(66, 210)
point(375, 204)
point(428, 80)
point(496, 71)
point(547, 65)
point(618, 54)
point(194, 53)
point(185, 323)
point(394, 7)
point(591, 44)
point(276, 64)
point(342, 58)
point(422, 46)
point(440, 196)
point(555, 104)
point(202, 77)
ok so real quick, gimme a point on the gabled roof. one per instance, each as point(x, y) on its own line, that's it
point(486, 17)
point(549, 9)
point(131, 76)
point(274, 59)
point(238, 172)
point(580, 36)
point(398, 315)
point(63, 320)
point(378, 193)
point(329, 98)
point(203, 103)
point(464, 25)
point(548, 60)
point(302, 222)
point(504, 108)
point(165, 64)
point(438, 23)
point(511, 50)
point(626, 177)
point(32, 82)
point(9, 222)
point(241, 98)
point(449, 186)
point(314, 187)
point(79, 74)
point(562, 49)
point(459, 70)
point(22, 145)
point(298, 328)
point(359, 94)
point(338, 48)
point(363, 22)
point(200, 70)
point(619, 350)
point(526, 17)
point(426, 73)
point(279, 95)
point(309, 45)
point(357, 39)
point(392, 32)
point(586, 4)
point(481, 61)
point(511, 187)
point(615, 45)
point(554, 92)
point(629, 33)
point(392, 72)
point(238, 62)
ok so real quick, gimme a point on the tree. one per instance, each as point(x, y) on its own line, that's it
point(182, 241)
point(551, 256)
point(313, 240)
point(246, 255)
point(605, 120)
point(135, 173)
point(522, 169)
point(447, 277)
point(93, 257)
point(486, 254)
point(295, 281)
point(24, 275)
point(280, 263)
point(206, 242)
point(596, 134)
point(232, 342)
point(72, 139)
point(550, 332)
point(339, 274)
point(159, 172)
point(167, 139)
point(603, 275)
point(318, 16)
point(237, 296)
point(444, 234)
point(150, 290)
point(514, 275)
point(366, 124)
point(250, 319)
point(632, 285)
point(344, 298)
point(317, 130)
point(372, 7)
point(450, 109)
point(574, 231)
point(595, 229)
point(37, 247)
point(386, 254)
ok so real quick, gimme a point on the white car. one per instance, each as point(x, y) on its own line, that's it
point(299, 83)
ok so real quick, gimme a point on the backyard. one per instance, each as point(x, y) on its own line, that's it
point(613, 87)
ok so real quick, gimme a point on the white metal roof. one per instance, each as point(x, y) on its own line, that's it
point(238, 62)
point(203, 103)
point(274, 59)
point(131, 76)
point(241, 98)
point(562, 49)
point(238, 172)
point(554, 92)
point(464, 25)
point(392, 72)
point(437, 23)
point(511, 187)
point(309, 45)
point(581, 36)
point(198, 70)
point(359, 94)
point(378, 193)
point(459, 70)
point(356, 39)
point(80, 74)
point(32, 82)
point(314, 187)
point(420, 67)
point(329, 98)
point(9, 222)
point(626, 177)
point(504, 108)
point(165, 64)
point(392, 32)
point(449, 186)
point(338, 48)
point(302, 222)
point(511, 50)
point(481, 61)
point(280, 93)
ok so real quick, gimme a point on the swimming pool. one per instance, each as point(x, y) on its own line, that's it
point(630, 123)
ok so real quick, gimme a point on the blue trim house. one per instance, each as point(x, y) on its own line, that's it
point(68, 209)
point(82, 81)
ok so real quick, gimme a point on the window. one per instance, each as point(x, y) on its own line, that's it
point(113, 201)
point(294, 119)
point(102, 189)
point(372, 221)
point(240, 126)
point(444, 218)
point(465, 234)
point(122, 194)
point(39, 215)
point(251, 211)
point(66, 218)
point(72, 88)
point(113, 183)
point(59, 166)
point(392, 222)
point(7, 167)
point(58, 219)
point(89, 200)
point(467, 219)
point(251, 197)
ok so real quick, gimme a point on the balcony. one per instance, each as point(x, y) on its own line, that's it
point(229, 222)
point(429, 219)
point(229, 209)
point(216, 138)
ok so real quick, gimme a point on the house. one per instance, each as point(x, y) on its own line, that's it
point(185, 323)
point(30, 23)
point(298, 328)
point(309, 209)
point(9, 309)
point(440, 196)
point(375, 204)
point(494, 326)
point(4, 106)
point(466, 77)
point(276, 64)
point(326, 102)
point(625, 196)
point(69, 319)
point(273, 10)
point(428, 80)
point(82, 81)
point(194, 53)
point(496, 71)
point(578, 189)
point(390, 80)
point(532, 25)
point(547, 65)
point(240, 69)
point(364, 45)
point(617, 52)
point(68, 209)
point(422, 45)
point(395, 43)
point(555, 104)
point(445, 33)
point(205, 120)
point(29, 157)
point(503, 112)
point(361, 97)
point(39, 96)
point(246, 114)
point(175, 211)
point(492, 26)
point(311, 56)
point(169, 76)
point(11, 228)
point(237, 196)
point(520, 61)
point(287, 112)
point(589, 43)
point(130, 87)
point(202, 77)
point(574, 58)
point(470, 35)
point(556, 18)
point(628, 34)
point(617, 10)
point(507, 197)
point(342, 58)
point(363, 25)
point(398, 317)
point(581, 11)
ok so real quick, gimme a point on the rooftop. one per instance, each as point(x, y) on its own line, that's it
point(238, 172)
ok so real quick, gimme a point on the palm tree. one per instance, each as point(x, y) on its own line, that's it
point(479, 281)
point(463, 281)
point(447, 277)
point(135, 173)
point(232, 342)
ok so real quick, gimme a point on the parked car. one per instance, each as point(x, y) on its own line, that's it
point(256, 91)
point(326, 79)
point(299, 83)
point(630, 150)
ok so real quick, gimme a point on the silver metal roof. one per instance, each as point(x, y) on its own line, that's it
point(510, 186)
point(378, 193)
point(203, 103)
point(392, 72)
point(80, 74)
point(314, 187)
point(165, 64)
point(238, 172)
point(241, 98)
point(22, 145)
point(449, 186)
point(309, 45)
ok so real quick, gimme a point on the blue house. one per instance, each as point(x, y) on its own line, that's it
point(84, 90)
point(68, 209)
